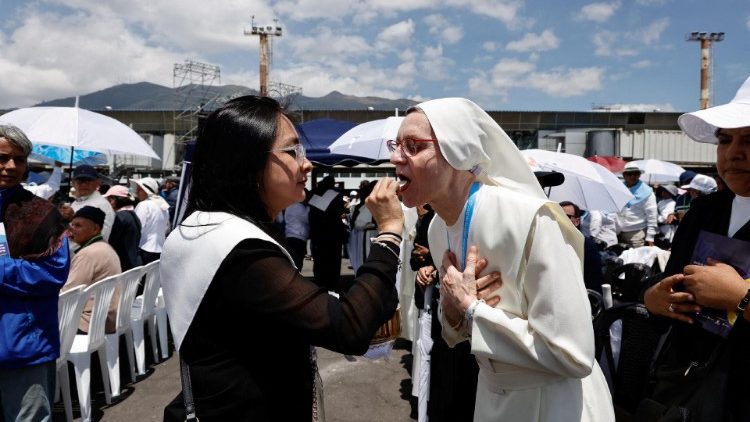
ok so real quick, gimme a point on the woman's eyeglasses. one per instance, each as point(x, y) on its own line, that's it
point(297, 151)
point(409, 146)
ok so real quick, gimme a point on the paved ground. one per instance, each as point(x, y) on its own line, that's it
point(356, 389)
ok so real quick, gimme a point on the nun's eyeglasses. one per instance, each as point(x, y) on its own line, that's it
point(409, 146)
point(297, 151)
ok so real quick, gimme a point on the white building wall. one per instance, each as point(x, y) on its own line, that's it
point(667, 145)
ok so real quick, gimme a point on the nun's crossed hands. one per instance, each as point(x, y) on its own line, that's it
point(459, 289)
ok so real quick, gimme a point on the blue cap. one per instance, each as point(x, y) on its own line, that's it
point(85, 171)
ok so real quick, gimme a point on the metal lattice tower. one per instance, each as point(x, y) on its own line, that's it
point(192, 82)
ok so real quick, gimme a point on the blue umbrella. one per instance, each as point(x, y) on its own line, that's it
point(317, 135)
point(49, 154)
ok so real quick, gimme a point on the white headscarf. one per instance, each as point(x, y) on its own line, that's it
point(471, 140)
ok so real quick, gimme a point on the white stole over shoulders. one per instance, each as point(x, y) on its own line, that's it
point(192, 254)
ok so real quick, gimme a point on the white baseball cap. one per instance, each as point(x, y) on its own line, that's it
point(701, 125)
point(701, 183)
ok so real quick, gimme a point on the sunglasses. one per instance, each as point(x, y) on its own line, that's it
point(297, 151)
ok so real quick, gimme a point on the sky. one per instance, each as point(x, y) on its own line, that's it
point(503, 54)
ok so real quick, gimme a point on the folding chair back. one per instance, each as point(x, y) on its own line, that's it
point(627, 366)
point(69, 309)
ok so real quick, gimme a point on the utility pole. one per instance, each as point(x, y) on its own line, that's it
point(265, 52)
point(706, 39)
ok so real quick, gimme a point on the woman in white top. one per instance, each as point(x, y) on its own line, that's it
point(535, 348)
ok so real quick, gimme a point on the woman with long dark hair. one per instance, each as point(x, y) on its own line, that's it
point(228, 282)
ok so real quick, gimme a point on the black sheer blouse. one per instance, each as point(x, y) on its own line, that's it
point(248, 345)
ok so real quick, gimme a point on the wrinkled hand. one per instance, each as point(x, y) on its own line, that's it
point(716, 285)
point(671, 218)
point(385, 206)
point(661, 299)
point(458, 290)
point(426, 276)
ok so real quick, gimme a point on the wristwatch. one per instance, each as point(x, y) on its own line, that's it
point(743, 304)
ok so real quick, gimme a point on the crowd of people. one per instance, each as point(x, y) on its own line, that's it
point(500, 274)
point(76, 239)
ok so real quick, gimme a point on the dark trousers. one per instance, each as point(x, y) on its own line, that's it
point(297, 248)
point(453, 377)
point(327, 265)
point(147, 256)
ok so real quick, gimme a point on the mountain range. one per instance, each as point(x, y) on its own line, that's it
point(150, 96)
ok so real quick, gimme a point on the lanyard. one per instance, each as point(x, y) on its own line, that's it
point(467, 222)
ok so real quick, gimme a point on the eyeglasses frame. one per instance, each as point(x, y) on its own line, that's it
point(392, 144)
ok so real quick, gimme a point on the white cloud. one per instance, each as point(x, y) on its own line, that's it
point(535, 42)
point(364, 79)
point(489, 46)
point(651, 2)
point(642, 64)
point(506, 11)
point(567, 82)
point(361, 12)
point(38, 57)
point(651, 33)
point(327, 45)
point(434, 65)
point(446, 31)
point(608, 43)
point(747, 22)
point(562, 81)
point(395, 35)
point(188, 25)
point(598, 12)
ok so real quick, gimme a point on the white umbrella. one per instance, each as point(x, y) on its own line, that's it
point(587, 184)
point(77, 128)
point(368, 139)
point(658, 171)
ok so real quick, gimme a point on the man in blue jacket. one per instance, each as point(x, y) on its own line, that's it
point(34, 265)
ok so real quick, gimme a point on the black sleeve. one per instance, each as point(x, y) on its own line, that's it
point(686, 237)
point(258, 277)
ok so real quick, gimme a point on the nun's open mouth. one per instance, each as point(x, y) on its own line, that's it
point(403, 182)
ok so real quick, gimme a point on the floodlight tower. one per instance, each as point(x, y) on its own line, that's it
point(265, 52)
point(706, 39)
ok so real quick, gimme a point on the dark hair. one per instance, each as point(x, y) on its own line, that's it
point(230, 155)
point(121, 201)
point(576, 208)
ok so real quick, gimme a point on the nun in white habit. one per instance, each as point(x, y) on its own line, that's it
point(535, 348)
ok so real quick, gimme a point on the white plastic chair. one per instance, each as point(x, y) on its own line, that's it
point(84, 345)
point(69, 310)
point(143, 311)
point(128, 284)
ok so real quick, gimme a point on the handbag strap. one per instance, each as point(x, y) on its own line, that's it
point(187, 392)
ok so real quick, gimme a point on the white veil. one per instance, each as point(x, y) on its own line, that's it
point(471, 140)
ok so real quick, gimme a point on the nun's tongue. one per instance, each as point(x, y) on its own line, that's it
point(403, 182)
